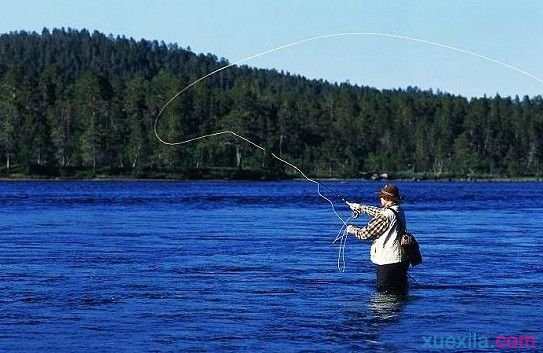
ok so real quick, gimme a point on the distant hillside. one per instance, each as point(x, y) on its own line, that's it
point(74, 103)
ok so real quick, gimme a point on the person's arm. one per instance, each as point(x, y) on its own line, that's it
point(372, 231)
point(372, 211)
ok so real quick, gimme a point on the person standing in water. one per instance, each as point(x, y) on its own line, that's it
point(385, 230)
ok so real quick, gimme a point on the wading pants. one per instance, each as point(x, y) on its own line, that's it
point(392, 278)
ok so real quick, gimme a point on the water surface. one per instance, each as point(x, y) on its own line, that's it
point(249, 266)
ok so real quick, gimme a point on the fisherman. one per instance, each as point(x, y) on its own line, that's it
point(385, 230)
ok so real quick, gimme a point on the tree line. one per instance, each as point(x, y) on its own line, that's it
point(75, 103)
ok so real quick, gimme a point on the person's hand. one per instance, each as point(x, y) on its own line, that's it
point(355, 207)
point(351, 229)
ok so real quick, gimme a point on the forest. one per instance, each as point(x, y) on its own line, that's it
point(77, 104)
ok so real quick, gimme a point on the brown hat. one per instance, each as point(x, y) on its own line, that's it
point(390, 192)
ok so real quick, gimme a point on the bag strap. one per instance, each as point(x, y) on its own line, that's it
point(402, 229)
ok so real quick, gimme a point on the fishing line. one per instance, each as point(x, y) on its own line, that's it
point(342, 235)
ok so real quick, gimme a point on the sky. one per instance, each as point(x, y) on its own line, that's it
point(507, 31)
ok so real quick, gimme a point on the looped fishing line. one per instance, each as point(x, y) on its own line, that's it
point(342, 235)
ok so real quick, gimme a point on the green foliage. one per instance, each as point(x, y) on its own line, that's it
point(75, 103)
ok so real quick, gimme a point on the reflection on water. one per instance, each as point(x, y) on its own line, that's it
point(365, 321)
point(386, 308)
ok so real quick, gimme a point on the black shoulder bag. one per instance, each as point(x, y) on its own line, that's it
point(409, 243)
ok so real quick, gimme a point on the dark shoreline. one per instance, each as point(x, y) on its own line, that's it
point(246, 174)
point(176, 179)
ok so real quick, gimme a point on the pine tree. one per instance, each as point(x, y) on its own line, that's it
point(91, 113)
point(9, 117)
point(136, 143)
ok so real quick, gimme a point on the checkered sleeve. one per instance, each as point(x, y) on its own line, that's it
point(371, 210)
point(375, 228)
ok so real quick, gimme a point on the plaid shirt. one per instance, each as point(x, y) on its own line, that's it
point(375, 227)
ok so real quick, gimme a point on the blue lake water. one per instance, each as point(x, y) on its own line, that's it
point(249, 267)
